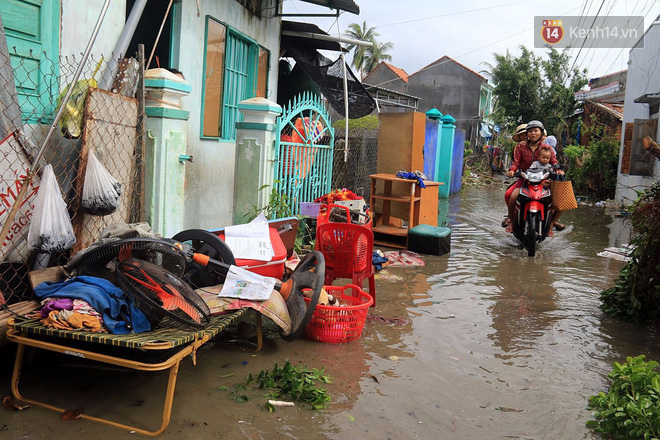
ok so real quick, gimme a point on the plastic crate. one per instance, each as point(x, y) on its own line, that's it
point(310, 209)
point(340, 324)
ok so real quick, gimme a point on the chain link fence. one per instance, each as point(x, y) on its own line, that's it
point(361, 156)
point(111, 123)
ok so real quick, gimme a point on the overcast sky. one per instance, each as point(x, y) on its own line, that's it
point(470, 31)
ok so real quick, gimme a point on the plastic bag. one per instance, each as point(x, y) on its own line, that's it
point(101, 191)
point(50, 228)
point(71, 122)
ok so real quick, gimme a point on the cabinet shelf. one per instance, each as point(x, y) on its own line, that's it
point(391, 230)
point(393, 198)
point(420, 204)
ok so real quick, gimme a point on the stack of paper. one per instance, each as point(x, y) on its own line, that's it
point(250, 241)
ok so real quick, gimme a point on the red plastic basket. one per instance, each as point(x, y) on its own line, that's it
point(340, 324)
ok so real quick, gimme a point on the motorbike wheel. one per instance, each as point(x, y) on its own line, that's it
point(530, 236)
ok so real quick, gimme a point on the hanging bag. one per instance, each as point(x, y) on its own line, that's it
point(50, 227)
point(101, 191)
point(563, 197)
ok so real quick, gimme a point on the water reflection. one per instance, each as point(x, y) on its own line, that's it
point(522, 310)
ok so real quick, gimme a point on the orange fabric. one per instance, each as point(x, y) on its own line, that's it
point(301, 157)
point(67, 320)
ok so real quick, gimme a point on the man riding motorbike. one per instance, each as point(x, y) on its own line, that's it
point(523, 155)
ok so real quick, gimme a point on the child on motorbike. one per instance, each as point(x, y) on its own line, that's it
point(545, 155)
point(523, 157)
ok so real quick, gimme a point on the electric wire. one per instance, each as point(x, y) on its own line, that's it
point(472, 51)
point(585, 39)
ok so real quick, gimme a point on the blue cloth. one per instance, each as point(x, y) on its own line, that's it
point(411, 176)
point(378, 261)
point(120, 315)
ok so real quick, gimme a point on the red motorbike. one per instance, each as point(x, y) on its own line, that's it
point(533, 212)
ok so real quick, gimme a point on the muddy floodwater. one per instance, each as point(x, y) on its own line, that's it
point(494, 345)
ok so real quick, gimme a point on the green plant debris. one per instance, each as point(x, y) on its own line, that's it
point(278, 206)
point(225, 375)
point(635, 295)
point(295, 383)
point(507, 409)
point(631, 408)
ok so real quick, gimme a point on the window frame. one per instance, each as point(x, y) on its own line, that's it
point(251, 81)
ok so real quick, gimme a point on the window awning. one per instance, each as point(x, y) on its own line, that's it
point(339, 5)
point(649, 98)
point(302, 34)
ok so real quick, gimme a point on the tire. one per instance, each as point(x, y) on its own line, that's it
point(530, 236)
point(209, 244)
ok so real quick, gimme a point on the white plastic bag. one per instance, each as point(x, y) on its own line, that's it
point(50, 227)
point(101, 191)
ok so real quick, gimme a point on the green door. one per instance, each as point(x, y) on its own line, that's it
point(32, 29)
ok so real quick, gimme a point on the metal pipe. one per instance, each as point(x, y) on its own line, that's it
point(162, 25)
point(26, 182)
point(122, 44)
point(314, 36)
point(343, 65)
point(76, 76)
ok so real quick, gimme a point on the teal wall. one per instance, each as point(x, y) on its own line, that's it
point(445, 155)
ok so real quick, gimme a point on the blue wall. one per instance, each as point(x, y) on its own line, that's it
point(430, 148)
point(457, 161)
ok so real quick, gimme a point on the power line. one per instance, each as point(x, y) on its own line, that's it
point(652, 2)
point(472, 51)
point(456, 13)
point(585, 39)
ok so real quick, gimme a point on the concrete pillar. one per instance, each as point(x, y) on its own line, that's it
point(444, 154)
point(165, 155)
point(255, 156)
point(432, 146)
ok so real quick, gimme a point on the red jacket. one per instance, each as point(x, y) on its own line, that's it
point(523, 156)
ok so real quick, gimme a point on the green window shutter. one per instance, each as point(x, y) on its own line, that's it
point(32, 29)
point(240, 73)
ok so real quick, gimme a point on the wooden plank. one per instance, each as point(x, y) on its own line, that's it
point(110, 128)
point(50, 274)
point(20, 308)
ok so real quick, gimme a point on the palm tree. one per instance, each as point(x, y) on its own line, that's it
point(375, 54)
point(361, 33)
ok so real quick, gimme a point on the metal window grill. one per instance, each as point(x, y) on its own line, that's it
point(27, 109)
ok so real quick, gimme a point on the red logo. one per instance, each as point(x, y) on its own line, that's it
point(552, 31)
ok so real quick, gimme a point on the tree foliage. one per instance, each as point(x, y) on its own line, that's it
point(532, 87)
point(362, 33)
point(365, 58)
point(376, 54)
point(592, 169)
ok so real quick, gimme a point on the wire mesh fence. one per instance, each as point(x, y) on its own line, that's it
point(109, 123)
point(352, 165)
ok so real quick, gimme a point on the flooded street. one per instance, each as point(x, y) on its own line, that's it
point(495, 345)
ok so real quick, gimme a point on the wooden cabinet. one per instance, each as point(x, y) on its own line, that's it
point(401, 142)
point(390, 194)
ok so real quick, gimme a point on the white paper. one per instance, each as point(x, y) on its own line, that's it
point(250, 241)
point(241, 283)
